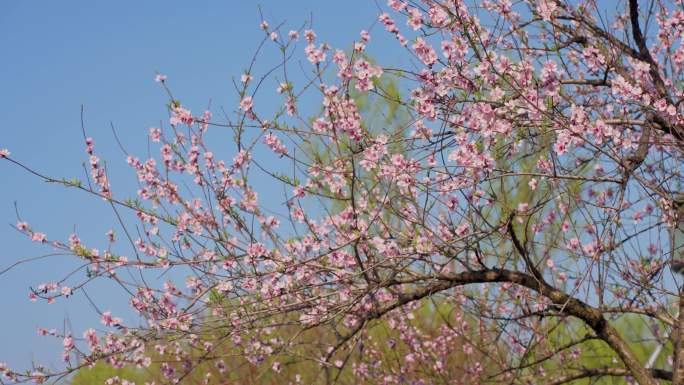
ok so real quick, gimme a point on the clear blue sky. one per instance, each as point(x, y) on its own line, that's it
point(57, 56)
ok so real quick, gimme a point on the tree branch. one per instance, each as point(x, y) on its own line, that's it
point(600, 372)
point(561, 301)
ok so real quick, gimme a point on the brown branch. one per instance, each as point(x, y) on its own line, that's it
point(644, 53)
point(545, 357)
point(522, 250)
point(678, 340)
point(560, 300)
point(588, 82)
point(600, 372)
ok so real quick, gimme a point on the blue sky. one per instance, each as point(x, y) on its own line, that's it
point(57, 56)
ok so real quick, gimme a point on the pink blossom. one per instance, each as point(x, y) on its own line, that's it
point(415, 19)
point(397, 5)
point(383, 203)
point(425, 52)
point(68, 343)
point(155, 134)
point(389, 23)
point(438, 16)
point(275, 144)
point(533, 183)
point(246, 103)
point(310, 36)
point(315, 55)
point(546, 9)
point(38, 237)
point(180, 115)
point(282, 87)
point(242, 158)
point(108, 320)
point(66, 291)
point(573, 244)
point(463, 229)
point(291, 106)
point(593, 59)
point(4, 153)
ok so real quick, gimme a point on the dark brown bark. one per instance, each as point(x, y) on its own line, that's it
point(678, 340)
point(562, 302)
point(602, 372)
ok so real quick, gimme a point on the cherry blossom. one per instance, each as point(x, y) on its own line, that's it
point(512, 182)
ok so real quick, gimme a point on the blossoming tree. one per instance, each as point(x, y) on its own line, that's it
point(528, 206)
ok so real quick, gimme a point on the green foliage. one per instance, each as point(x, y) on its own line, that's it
point(593, 353)
point(428, 319)
point(100, 372)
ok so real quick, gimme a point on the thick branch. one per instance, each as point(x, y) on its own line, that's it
point(678, 340)
point(644, 53)
point(561, 301)
point(600, 372)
